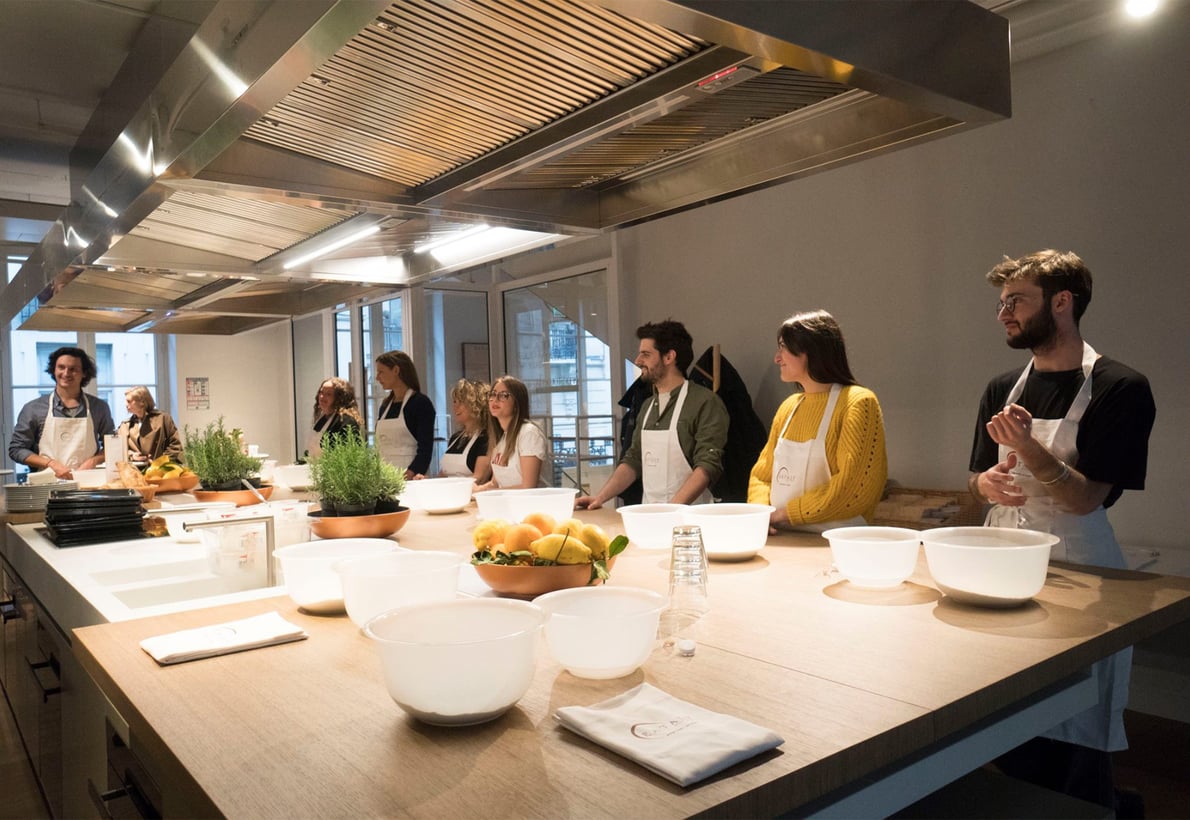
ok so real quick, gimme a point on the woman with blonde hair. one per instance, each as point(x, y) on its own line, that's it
point(335, 412)
point(824, 464)
point(467, 451)
point(517, 446)
point(148, 433)
point(405, 421)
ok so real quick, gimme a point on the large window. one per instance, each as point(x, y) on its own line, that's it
point(556, 340)
point(122, 360)
point(381, 329)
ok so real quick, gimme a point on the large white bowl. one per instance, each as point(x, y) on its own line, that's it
point(310, 578)
point(461, 662)
point(731, 532)
point(514, 505)
point(601, 632)
point(988, 566)
point(874, 557)
point(293, 476)
point(438, 495)
point(651, 526)
point(377, 583)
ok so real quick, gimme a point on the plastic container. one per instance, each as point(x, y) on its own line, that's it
point(601, 632)
point(378, 583)
point(988, 566)
point(458, 663)
point(438, 495)
point(731, 532)
point(514, 505)
point(874, 557)
point(651, 526)
point(308, 569)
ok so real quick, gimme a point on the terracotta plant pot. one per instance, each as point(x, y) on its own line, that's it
point(378, 525)
point(241, 498)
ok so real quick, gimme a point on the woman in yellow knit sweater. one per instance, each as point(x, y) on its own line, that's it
point(824, 464)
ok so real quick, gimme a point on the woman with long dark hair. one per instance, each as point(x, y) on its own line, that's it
point(516, 445)
point(335, 412)
point(824, 464)
point(405, 421)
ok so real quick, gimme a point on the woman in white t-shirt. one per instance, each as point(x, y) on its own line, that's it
point(516, 445)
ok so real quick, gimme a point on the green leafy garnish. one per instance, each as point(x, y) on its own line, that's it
point(599, 570)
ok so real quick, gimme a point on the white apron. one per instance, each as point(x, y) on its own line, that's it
point(314, 442)
point(1086, 539)
point(801, 466)
point(455, 464)
point(664, 468)
point(394, 441)
point(508, 474)
point(68, 440)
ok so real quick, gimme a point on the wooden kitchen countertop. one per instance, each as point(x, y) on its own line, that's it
point(853, 680)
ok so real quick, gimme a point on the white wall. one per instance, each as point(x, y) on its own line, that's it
point(1093, 160)
point(251, 385)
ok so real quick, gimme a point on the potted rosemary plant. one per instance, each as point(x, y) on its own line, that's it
point(214, 454)
point(351, 477)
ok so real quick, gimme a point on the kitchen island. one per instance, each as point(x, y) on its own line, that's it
point(881, 696)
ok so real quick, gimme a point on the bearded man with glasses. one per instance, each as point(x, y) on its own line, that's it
point(1056, 443)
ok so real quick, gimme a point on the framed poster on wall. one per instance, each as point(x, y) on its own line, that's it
point(476, 365)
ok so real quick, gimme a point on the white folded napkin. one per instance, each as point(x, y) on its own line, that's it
point(221, 639)
point(677, 740)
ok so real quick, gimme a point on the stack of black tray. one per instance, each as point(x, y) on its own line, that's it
point(77, 517)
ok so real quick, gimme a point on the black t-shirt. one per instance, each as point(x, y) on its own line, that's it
point(419, 419)
point(1113, 436)
point(458, 443)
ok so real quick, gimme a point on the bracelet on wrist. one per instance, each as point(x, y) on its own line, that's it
point(1063, 474)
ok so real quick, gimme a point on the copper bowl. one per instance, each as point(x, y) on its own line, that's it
point(529, 582)
point(175, 485)
point(379, 525)
point(241, 498)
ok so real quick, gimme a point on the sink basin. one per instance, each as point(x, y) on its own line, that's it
point(186, 590)
point(152, 572)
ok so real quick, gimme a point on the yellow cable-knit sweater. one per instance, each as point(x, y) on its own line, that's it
point(854, 451)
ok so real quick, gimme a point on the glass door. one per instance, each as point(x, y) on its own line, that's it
point(557, 341)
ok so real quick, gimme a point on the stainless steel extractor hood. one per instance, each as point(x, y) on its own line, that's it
point(278, 127)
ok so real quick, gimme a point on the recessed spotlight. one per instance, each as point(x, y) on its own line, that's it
point(1141, 8)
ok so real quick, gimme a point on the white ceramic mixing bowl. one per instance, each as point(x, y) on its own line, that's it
point(377, 583)
point(601, 632)
point(651, 526)
point(461, 662)
point(438, 495)
point(731, 532)
point(988, 566)
point(310, 579)
point(514, 505)
point(874, 557)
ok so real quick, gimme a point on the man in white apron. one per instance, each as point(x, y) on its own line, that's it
point(677, 446)
point(1055, 446)
point(63, 431)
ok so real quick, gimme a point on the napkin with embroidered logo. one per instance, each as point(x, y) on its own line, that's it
point(677, 740)
point(220, 639)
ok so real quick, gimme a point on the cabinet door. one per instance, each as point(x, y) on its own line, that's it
point(48, 692)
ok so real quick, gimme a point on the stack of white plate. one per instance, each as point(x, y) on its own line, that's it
point(32, 497)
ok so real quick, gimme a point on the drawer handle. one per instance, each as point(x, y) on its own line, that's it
point(129, 790)
point(46, 691)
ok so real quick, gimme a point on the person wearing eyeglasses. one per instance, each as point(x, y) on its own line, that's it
point(63, 430)
point(824, 464)
point(677, 445)
point(405, 421)
point(516, 445)
point(1056, 443)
